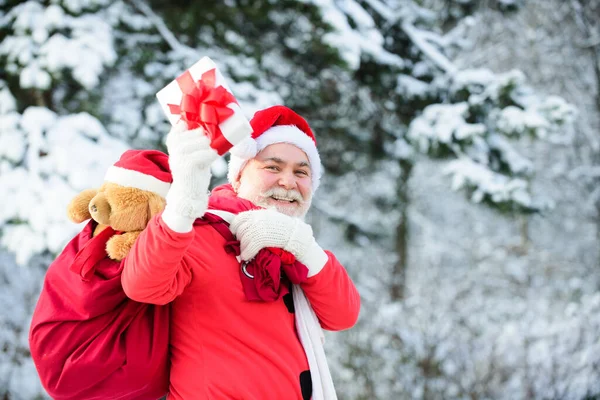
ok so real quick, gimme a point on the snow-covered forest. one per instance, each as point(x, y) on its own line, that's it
point(461, 142)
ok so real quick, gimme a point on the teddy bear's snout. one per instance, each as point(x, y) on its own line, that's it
point(100, 209)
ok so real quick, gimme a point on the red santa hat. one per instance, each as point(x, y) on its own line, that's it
point(277, 124)
point(142, 169)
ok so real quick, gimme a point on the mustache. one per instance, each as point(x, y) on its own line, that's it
point(284, 194)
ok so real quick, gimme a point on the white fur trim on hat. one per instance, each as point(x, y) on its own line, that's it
point(277, 134)
point(136, 179)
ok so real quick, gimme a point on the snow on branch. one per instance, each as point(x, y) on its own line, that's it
point(382, 9)
point(42, 173)
point(442, 125)
point(43, 42)
point(486, 183)
point(163, 30)
point(420, 40)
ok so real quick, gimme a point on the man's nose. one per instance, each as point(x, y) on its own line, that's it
point(287, 181)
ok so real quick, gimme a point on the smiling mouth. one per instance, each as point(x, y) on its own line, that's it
point(290, 201)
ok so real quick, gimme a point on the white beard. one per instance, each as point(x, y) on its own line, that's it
point(298, 210)
point(292, 211)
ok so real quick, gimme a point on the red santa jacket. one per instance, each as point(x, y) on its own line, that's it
point(222, 345)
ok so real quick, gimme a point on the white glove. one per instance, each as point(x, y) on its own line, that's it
point(258, 229)
point(190, 157)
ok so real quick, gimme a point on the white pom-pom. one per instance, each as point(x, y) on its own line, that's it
point(246, 149)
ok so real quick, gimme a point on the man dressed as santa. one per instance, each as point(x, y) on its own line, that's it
point(250, 288)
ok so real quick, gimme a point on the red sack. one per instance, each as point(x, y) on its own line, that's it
point(87, 339)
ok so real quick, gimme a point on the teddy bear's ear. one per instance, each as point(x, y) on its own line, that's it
point(155, 205)
point(78, 210)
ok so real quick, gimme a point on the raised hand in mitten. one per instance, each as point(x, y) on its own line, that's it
point(258, 229)
point(190, 157)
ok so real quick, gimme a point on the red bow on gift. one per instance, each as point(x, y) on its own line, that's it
point(204, 105)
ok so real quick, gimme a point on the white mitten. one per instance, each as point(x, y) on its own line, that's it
point(190, 157)
point(258, 229)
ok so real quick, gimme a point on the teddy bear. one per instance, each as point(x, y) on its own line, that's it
point(134, 190)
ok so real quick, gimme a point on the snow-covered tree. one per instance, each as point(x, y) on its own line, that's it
point(53, 56)
point(482, 317)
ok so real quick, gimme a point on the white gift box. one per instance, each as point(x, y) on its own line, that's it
point(234, 129)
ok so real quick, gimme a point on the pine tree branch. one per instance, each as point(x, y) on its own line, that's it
point(163, 30)
point(428, 49)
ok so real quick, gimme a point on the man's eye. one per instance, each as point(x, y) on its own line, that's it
point(272, 167)
point(302, 172)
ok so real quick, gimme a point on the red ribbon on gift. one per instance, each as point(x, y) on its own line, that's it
point(204, 105)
